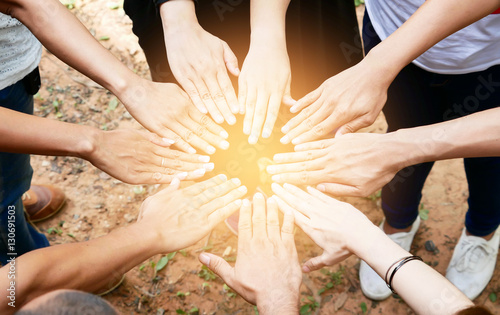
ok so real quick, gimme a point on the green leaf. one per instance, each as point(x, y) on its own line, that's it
point(256, 310)
point(363, 307)
point(305, 309)
point(141, 268)
point(70, 235)
point(112, 104)
point(194, 310)
point(161, 263)
point(493, 297)
point(104, 38)
point(170, 256)
point(183, 252)
point(179, 311)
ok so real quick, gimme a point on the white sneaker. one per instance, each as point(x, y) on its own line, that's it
point(372, 285)
point(473, 262)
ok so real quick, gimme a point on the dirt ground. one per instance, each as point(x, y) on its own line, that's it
point(98, 203)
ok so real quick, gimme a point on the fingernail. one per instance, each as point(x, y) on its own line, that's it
point(258, 195)
point(266, 133)
point(168, 141)
point(242, 110)
point(246, 130)
point(210, 150)
point(237, 181)
point(276, 178)
point(238, 202)
point(252, 139)
point(204, 110)
point(287, 186)
point(271, 199)
point(293, 109)
point(231, 120)
point(191, 150)
point(224, 145)
point(182, 175)
point(175, 181)
point(285, 140)
point(299, 147)
point(321, 187)
point(219, 119)
point(285, 129)
point(274, 186)
point(199, 172)
point(222, 176)
point(238, 71)
point(277, 158)
point(205, 259)
point(224, 134)
point(296, 140)
point(246, 202)
point(204, 158)
point(271, 169)
point(235, 109)
point(304, 268)
point(243, 189)
point(209, 166)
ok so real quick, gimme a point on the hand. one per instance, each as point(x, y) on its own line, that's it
point(184, 216)
point(353, 165)
point(348, 102)
point(163, 108)
point(264, 83)
point(267, 271)
point(333, 225)
point(137, 157)
point(199, 60)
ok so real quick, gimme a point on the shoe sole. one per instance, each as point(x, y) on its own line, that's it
point(50, 215)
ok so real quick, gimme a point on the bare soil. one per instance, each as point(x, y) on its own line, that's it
point(98, 203)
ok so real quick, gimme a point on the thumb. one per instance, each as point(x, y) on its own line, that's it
point(314, 263)
point(218, 265)
point(352, 126)
point(287, 97)
point(230, 60)
point(338, 189)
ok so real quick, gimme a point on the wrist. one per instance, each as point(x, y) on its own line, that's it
point(383, 68)
point(408, 148)
point(278, 301)
point(88, 144)
point(178, 15)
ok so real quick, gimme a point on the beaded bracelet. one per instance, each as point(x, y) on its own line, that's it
point(400, 263)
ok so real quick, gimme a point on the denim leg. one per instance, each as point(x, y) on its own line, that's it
point(15, 179)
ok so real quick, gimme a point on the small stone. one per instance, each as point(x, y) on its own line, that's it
point(45, 163)
point(128, 217)
point(430, 246)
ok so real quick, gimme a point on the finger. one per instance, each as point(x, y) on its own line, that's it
point(314, 263)
point(245, 223)
point(220, 196)
point(157, 140)
point(191, 90)
point(179, 155)
point(175, 164)
point(314, 145)
point(190, 136)
point(300, 178)
point(220, 100)
point(273, 221)
point(202, 137)
point(309, 124)
point(272, 114)
point(179, 143)
point(198, 188)
point(340, 190)
point(223, 213)
point(208, 123)
point(353, 126)
point(287, 229)
point(294, 157)
point(165, 176)
point(242, 95)
point(306, 100)
point(250, 100)
point(318, 194)
point(301, 220)
point(228, 90)
point(219, 266)
point(231, 61)
point(320, 130)
point(209, 103)
point(258, 117)
point(300, 123)
point(287, 97)
point(295, 167)
point(293, 201)
point(259, 216)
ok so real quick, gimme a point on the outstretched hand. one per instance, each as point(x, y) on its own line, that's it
point(267, 271)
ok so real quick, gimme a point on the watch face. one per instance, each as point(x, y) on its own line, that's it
point(248, 162)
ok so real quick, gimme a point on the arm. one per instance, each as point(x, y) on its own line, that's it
point(199, 61)
point(361, 163)
point(352, 99)
point(161, 108)
point(265, 76)
point(145, 156)
point(167, 222)
point(342, 230)
point(267, 271)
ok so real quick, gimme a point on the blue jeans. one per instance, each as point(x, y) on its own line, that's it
point(418, 97)
point(15, 179)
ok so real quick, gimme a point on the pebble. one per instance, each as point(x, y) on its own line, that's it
point(430, 246)
point(128, 217)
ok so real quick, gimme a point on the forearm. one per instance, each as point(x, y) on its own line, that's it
point(22, 133)
point(267, 21)
point(86, 266)
point(50, 22)
point(475, 135)
point(432, 22)
point(421, 287)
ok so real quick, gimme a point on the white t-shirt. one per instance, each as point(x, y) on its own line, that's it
point(20, 51)
point(474, 48)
